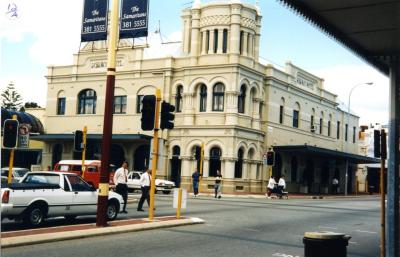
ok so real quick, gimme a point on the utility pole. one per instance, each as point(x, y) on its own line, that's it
point(101, 219)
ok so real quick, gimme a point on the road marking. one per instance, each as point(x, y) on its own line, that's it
point(284, 255)
point(327, 227)
point(354, 243)
point(365, 231)
point(253, 230)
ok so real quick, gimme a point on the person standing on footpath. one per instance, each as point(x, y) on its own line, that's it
point(218, 184)
point(335, 185)
point(270, 186)
point(195, 181)
point(281, 185)
point(120, 180)
point(145, 181)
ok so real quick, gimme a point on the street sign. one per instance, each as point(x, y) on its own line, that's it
point(184, 198)
point(23, 136)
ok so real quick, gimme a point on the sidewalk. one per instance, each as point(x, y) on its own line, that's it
point(52, 234)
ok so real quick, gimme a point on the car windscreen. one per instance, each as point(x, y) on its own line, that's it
point(52, 179)
point(20, 173)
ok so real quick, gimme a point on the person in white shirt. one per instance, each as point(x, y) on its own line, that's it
point(281, 186)
point(145, 182)
point(120, 180)
point(270, 186)
point(335, 185)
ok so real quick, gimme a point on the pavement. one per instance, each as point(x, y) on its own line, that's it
point(51, 234)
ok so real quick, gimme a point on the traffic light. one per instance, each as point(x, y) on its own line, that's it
point(10, 133)
point(148, 112)
point(383, 145)
point(167, 116)
point(377, 144)
point(270, 158)
point(78, 140)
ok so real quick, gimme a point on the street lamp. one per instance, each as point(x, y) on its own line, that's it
point(347, 131)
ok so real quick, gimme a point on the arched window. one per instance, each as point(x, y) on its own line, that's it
point(239, 164)
point(176, 151)
point(61, 103)
point(241, 99)
point(296, 115)
point(218, 97)
point(312, 125)
point(215, 162)
point(87, 102)
point(282, 111)
point(178, 98)
point(203, 98)
point(321, 123)
point(329, 125)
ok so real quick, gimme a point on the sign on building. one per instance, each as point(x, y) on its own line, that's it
point(94, 20)
point(134, 19)
point(23, 136)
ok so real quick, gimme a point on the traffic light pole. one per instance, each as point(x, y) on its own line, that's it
point(101, 218)
point(84, 151)
point(201, 163)
point(155, 155)
point(11, 161)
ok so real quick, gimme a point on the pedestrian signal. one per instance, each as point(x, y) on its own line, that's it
point(78, 140)
point(148, 112)
point(270, 158)
point(377, 144)
point(167, 116)
point(10, 133)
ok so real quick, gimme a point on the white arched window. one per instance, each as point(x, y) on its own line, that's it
point(218, 97)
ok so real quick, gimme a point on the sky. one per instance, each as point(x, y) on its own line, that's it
point(47, 32)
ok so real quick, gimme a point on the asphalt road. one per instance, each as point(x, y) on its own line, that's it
point(234, 227)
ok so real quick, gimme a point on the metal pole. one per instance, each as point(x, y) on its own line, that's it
point(11, 161)
point(101, 219)
point(178, 209)
point(382, 189)
point(201, 163)
point(84, 151)
point(393, 223)
point(155, 155)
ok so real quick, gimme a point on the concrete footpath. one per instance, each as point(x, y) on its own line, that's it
point(51, 234)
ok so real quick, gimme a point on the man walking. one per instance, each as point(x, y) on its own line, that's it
point(120, 180)
point(195, 181)
point(145, 181)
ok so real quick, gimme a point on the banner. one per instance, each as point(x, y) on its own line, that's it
point(94, 20)
point(134, 19)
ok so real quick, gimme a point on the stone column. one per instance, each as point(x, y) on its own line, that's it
point(257, 39)
point(245, 43)
point(188, 111)
point(186, 32)
point(229, 167)
point(255, 123)
point(211, 42)
point(231, 108)
point(251, 46)
point(245, 174)
point(203, 44)
point(235, 32)
point(220, 40)
point(195, 41)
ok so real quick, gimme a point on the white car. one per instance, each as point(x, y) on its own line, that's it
point(163, 185)
point(17, 174)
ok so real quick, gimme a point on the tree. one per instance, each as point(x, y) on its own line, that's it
point(31, 105)
point(10, 98)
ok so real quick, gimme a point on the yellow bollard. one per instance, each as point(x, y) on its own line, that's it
point(178, 209)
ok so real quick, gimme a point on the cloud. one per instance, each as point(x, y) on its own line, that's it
point(368, 102)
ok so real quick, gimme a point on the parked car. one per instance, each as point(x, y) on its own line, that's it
point(92, 170)
point(163, 185)
point(17, 174)
point(44, 194)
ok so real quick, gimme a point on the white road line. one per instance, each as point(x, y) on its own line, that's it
point(253, 230)
point(354, 243)
point(365, 231)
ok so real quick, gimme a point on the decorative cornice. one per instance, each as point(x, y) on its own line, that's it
point(215, 20)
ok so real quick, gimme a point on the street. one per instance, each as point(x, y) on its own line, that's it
point(234, 227)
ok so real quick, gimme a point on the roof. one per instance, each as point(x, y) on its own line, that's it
point(370, 28)
point(327, 153)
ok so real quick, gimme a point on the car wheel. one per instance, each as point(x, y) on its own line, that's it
point(34, 216)
point(112, 210)
point(166, 192)
point(70, 218)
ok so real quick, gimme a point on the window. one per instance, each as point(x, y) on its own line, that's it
point(338, 130)
point(120, 104)
point(207, 41)
point(178, 99)
point(225, 41)
point(215, 162)
point(281, 114)
point(61, 106)
point(312, 123)
point(241, 43)
point(239, 164)
point(139, 103)
point(218, 97)
point(203, 98)
point(329, 128)
point(260, 108)
point(87, 102)
point(346, 132)
point(295, 118)
point(321, 125)
point(241, 99)
point(215, 40)
point(354, 134)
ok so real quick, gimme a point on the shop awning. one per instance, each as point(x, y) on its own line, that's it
point(325, 153)
point(96, 137)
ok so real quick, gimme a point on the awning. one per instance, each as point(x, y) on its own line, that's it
point(96, 137)
point(325, 153)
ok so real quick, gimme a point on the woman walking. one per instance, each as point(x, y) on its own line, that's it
point(218, 184)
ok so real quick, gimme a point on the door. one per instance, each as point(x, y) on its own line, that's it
point(84, 197)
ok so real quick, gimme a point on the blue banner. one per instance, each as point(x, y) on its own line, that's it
point(94, 20)
point(134, 19)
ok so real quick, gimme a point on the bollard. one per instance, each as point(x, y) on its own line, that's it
point(325, 244)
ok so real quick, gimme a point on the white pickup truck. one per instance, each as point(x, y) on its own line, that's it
point(49, 194)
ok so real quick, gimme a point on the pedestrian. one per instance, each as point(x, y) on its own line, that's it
point(145, 182)
point(270, 186)
point(335, 185)
point(218, 184)
point(120, 180)
point(281, 185)
point(195, 181)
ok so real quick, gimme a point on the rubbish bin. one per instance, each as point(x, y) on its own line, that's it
point(325, 244)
